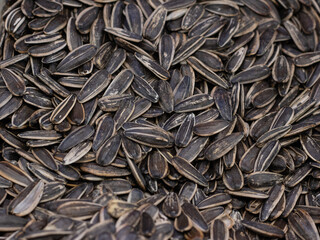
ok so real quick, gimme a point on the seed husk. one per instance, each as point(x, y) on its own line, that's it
point(251, 74)
point(259, 7)
point(249, 193)
point(223, 102)
point(291, 200)
point(263, 179)
point(182, 223)
point(85, 19)
point(192, 212)
point(306, 59)
point(45, 77)
point(210, 128)
point(120, 83)
point(298, 38)
point(167, 50)
point(166, 98)
point(171, 206)
point(188, 48)
point(263, 229)
point(193, 149)
point(233, 178)
point(10, 61)
point(194, 103)
point(214, 201)
point(191, 17)
point(137, 174)
point(311, 147)
point(219, 230)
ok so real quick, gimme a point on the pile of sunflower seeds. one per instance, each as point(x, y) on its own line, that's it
point(155, 119)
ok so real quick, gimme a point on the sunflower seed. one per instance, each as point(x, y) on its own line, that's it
point(259, 7)
point(77, 152)
point(298, 38)
point(223, 102)
point(104, 131)
point(75, 137)
point(166, 98)
point(45, 157)
point(252, 74)
point(191, 17)
point(108, 171)
point(188, 171)
point(311, 147)
point(45, 77)
point(303, 225)
point(120, 83)
point(222, 146)
point(14, 174)
point(86, 18)
point(275, 195)
point(194, 103)
point(154, 25)
point(153, 66)
point(11, 223)
point(149, 136)
point(157, 165)
point(15, 84)
point(63, 109)
point(122, 33)
point(166, 50)
point(95, 84)
point(27, 200)
point(188, 48)
point(159, 119)
point(266, 155)
point(76, 58)
point(184, 134)
point(144, 89)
